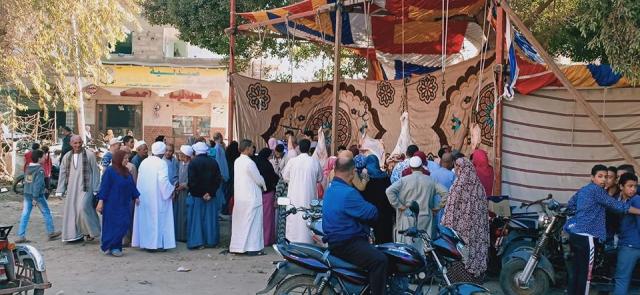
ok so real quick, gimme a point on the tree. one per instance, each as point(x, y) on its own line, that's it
point(38, 45)
point(202, 24)
point(607, 31)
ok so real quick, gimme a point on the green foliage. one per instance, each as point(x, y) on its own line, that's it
point(202, 24)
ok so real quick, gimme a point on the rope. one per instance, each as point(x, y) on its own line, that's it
point(445, 34)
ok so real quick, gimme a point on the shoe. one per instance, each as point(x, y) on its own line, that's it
point(116, 253)
point(21, 240)
point(54, 235)
point(108, 252)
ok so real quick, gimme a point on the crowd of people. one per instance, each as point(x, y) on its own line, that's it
point(150, 196)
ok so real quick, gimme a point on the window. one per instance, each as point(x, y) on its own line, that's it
point(191, 126)
point(125, 46)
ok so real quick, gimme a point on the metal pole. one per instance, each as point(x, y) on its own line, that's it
point(231, 70)
point(336, 77)
point(80, 110)
point(497, 145)
point(580, 99)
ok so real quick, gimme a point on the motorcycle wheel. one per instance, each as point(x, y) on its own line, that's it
point(521, 245)
point(538, 284)
point(18, 185)
point(300, 284)
point(34, 275)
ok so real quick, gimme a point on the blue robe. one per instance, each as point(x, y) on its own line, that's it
point(116, 192)
point(218, 154)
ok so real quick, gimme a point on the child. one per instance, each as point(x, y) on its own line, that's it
point(34, 189)
point(587, 230)
point(629, 236)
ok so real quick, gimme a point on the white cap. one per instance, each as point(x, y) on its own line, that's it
point(114, 141)
point(158, 148)
point(187, 150)
point(200, 148)
point(138, 144)
point(415, 162)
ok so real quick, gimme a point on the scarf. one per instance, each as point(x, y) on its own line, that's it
point(467, 212)
point(331, 163)
point(373, 167)
point(484, 170)
point(85, 170)
point(266, 169)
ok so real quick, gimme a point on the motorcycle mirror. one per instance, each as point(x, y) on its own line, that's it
point(284, 201)
point(315, 203)
point(415, 208)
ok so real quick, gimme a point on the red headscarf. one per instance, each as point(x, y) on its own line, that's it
point(116, 162)
point(484, 170)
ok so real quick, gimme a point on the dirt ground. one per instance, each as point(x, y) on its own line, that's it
point(82, 269)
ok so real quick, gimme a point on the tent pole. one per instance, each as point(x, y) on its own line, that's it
point(336, 77)
point(499, 69)
point(567, 84)
point(231, 70)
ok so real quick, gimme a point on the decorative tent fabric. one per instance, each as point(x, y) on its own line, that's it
point(550, 145)
point(268, 109)
point(376, 31)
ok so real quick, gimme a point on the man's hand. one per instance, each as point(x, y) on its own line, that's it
point(137, 201)
point(206, 197)
point(402, 208)
point(99, 207)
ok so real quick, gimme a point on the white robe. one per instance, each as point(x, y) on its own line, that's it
point(153, 218)
point(302, 173)
point(246, 219)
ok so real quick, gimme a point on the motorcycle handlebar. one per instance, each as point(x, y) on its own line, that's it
point(524, 204)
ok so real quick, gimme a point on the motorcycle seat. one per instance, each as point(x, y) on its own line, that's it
point(335, 262)
point(308, 250)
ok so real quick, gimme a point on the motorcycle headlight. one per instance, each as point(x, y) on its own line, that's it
point(543, 221)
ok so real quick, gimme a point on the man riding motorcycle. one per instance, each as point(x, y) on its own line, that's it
point(345, 217)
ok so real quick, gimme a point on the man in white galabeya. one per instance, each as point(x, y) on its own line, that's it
point(303, 173)
point(153, 219)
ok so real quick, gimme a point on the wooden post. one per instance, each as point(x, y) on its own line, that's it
point(497, 144)
point(232, 69)
point(567, 84)
point(336, 77)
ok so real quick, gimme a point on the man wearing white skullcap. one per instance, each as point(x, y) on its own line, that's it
point(180, 201)
point(202, 214)
point(414, 187)
point(153, 227)
point(142, 152)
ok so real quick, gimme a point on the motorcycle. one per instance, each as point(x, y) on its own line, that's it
point(519, 232)
point(532, 271)
point(312, 269)
point(22, 268)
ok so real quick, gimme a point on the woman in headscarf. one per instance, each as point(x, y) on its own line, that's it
point(375, 194)
point(483, 169)
point(117, 192)
point(361, 178)
point(467, 213)
point(327, 172)
point(268, 207)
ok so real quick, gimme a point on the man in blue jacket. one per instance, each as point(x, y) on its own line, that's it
point(345, 223)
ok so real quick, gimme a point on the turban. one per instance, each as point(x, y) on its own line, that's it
point(158, 148)
point(187, 150)
point(200, 148)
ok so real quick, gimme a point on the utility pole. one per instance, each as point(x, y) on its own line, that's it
point(232, 69)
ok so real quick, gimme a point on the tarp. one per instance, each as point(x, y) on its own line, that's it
point(436, 116)
point(550, 145)
point(404, 37)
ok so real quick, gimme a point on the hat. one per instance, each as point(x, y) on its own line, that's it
point(114, 141)
point(158, 148)
point(138, 144)
point(200, 148)
point(187, 150)
point(415, 162)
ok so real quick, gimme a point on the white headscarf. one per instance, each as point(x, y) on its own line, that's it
point(138, 144)
point(158, 148)
point(200, 148)
point(187, 150)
